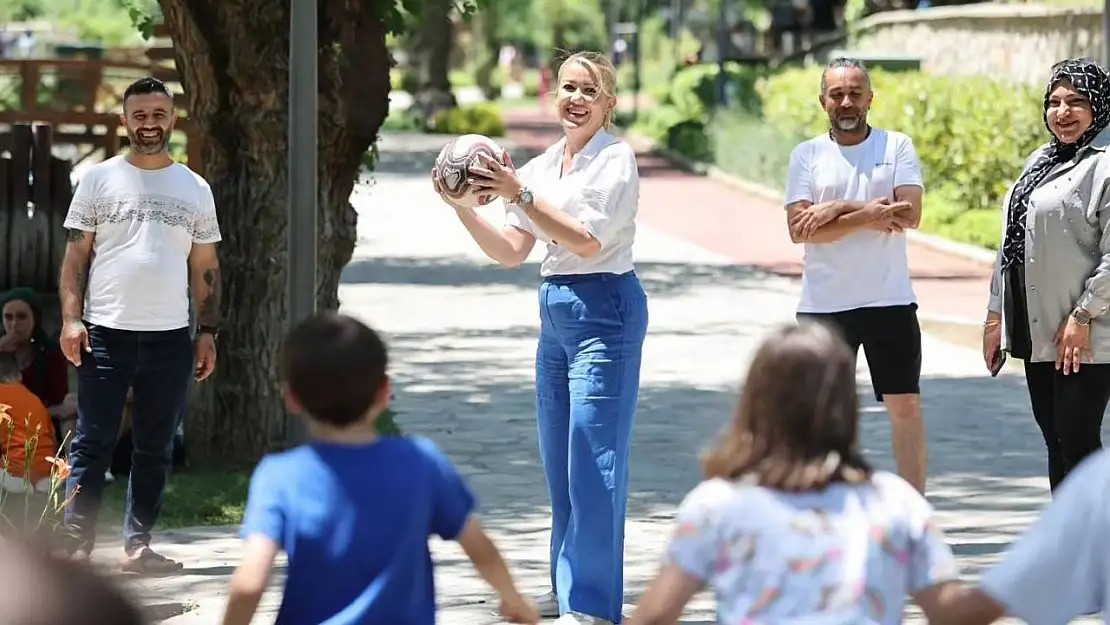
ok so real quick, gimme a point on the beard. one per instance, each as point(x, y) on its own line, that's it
point(151, 146)
point(848, 123)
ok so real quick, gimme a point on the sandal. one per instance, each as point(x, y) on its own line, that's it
point(148, 561)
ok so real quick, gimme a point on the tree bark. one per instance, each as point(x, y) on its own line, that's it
point(232, 56)
point(431, 47)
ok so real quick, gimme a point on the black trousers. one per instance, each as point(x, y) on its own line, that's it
point(1068, 408)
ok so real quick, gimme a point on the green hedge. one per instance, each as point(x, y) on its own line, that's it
point(482, 119)
point(972, 133)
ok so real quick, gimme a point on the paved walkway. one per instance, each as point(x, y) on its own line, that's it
point(462, 333)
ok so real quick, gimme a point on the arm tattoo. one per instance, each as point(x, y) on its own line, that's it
point(72, 293)
point(209, 314)
point(75, 236)
point(82, 282)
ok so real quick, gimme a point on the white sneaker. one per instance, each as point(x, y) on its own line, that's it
point(548, 604)
point(577, 618)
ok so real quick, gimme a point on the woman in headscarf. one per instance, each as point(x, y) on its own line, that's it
point(44, 367)
point(1051, 287)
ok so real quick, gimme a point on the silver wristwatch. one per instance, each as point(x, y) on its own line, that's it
point(524, 198)
point(1082, 316)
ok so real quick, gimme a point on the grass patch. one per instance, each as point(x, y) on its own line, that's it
point(193, 498)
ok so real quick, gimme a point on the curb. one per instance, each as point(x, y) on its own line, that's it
point(963, 332)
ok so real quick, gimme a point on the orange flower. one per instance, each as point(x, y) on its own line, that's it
point(72, 496)
point(61, 468)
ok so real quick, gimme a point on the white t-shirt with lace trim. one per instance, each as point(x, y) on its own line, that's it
point(145, 223)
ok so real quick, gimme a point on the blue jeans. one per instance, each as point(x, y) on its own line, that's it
point(158, 365)
point(587, 382)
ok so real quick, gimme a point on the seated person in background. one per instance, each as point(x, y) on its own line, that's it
point(27, 423)
point(44, 367)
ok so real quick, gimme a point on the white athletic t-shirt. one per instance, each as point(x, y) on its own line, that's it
point(866, 268)
point(145, 223)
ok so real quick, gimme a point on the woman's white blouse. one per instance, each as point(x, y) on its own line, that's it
point(601, 189)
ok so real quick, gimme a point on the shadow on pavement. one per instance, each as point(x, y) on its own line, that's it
point(476, 400)
point(471, 390)
point(408, 162)
point(659, 279)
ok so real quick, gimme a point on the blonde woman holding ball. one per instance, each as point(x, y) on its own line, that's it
point(579, 198)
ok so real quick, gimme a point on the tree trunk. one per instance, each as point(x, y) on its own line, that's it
point(431, 45)
point(233, 59)
point(490, 55)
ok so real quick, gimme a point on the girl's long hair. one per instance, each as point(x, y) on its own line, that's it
point(797, 425)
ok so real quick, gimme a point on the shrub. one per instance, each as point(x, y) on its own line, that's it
point(693, 90)
point(963, 139)
point(483, 119)
point(400, 121)
point(944, 216)
point(970, 148)
point(744, 145)
point(531, 81)
point(681, 116)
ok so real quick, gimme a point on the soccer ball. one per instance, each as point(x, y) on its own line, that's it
point(453, 168)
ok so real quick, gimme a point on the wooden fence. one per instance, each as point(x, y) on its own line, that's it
point(35, 191)
point(83, 99)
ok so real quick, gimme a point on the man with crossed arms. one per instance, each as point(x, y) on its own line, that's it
point(850, 193)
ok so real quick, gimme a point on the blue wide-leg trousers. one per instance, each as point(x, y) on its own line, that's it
point(587, 382)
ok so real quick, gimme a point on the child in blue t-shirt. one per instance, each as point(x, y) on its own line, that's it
point(353, 510)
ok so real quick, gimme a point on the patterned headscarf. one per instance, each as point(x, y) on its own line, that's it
point(1092, 81)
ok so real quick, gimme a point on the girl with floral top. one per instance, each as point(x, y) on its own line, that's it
point(792, 524)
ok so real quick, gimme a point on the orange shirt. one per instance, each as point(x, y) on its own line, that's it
point(26, 413)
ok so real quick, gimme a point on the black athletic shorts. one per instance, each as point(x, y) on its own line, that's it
point(891, 340)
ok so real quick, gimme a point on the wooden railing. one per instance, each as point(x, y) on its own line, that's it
point(82, 98)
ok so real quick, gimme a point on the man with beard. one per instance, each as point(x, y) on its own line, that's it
point(850, 194)
point(142, 234)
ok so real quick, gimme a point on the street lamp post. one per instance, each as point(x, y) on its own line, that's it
point(301, 175)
